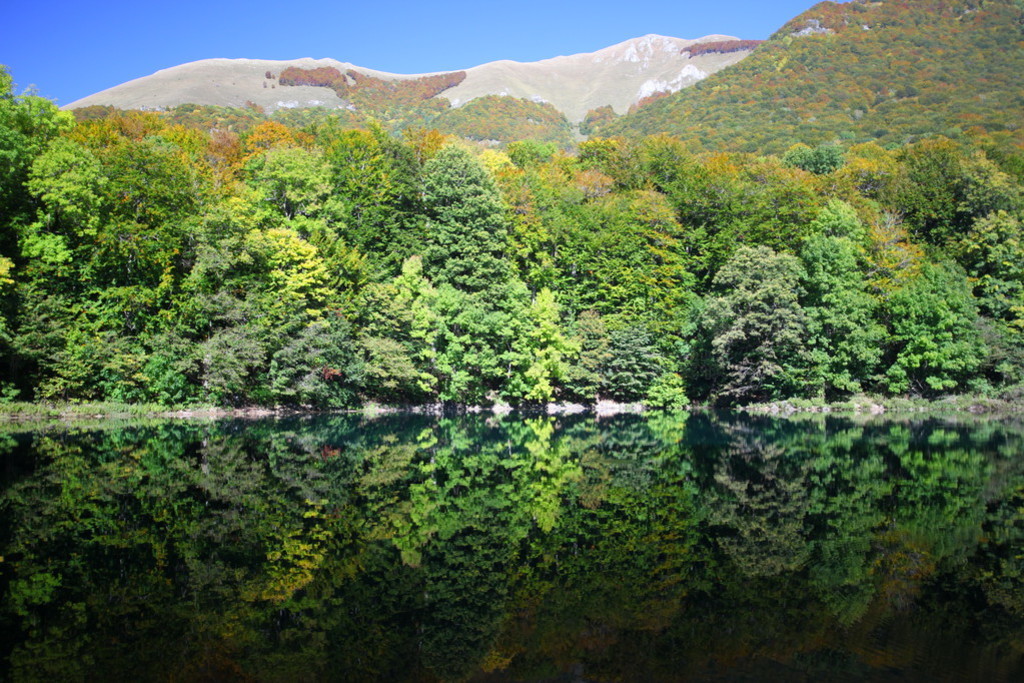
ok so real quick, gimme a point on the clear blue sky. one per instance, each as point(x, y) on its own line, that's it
point(68, 50)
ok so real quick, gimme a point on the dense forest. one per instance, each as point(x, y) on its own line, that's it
point(325, 265)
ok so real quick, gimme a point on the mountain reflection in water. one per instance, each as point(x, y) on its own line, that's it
point(659, 547)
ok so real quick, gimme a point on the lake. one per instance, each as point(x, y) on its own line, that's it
point(638, 548)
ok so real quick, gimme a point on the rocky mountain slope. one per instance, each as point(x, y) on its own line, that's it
point(618, 76)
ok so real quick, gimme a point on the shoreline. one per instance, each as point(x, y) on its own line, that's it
point(898, 405)
point(859, 406)
point(40, 412)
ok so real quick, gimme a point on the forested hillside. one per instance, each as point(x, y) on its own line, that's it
point(892, 71)
point(141, 260)
point(494, 120)
point(498, 119)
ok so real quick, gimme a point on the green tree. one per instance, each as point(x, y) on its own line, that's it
point(626, 255)
point(292, 180)
point(839, 219)
point(527, 153)
point(27, 124)
point(943, 188)
point(398, 337)
point(819, 160)
point(467, 233)
point(545, 351)
point(6, 266)
point(631, 365)
point(844, 341)
point(992, 252)
point(294, 276)
point(934, 344)
point(476, 342)
point(67, 180)
point(481, 304)
point(754, 327)
point(730, 200)
point(583, 378)
point(318, 367)
point(375, 181)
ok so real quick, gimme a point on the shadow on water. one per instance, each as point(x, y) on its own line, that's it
point(642, 547)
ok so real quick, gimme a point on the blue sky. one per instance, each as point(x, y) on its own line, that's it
point(68, 50)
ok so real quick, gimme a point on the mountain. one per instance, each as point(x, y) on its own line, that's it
point(891, 71)
point(618, 76)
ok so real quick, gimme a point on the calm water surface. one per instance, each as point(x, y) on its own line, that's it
point(707, 547)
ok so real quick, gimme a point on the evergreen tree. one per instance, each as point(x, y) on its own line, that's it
point(481, 304)
point(583, 378)
point(467, 233)
point(631, 366)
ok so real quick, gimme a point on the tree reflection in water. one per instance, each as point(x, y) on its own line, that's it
point(651, 547)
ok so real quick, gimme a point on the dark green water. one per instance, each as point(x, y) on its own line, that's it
point(713, 547)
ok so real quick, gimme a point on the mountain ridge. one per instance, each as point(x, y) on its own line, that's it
point(618, 76)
